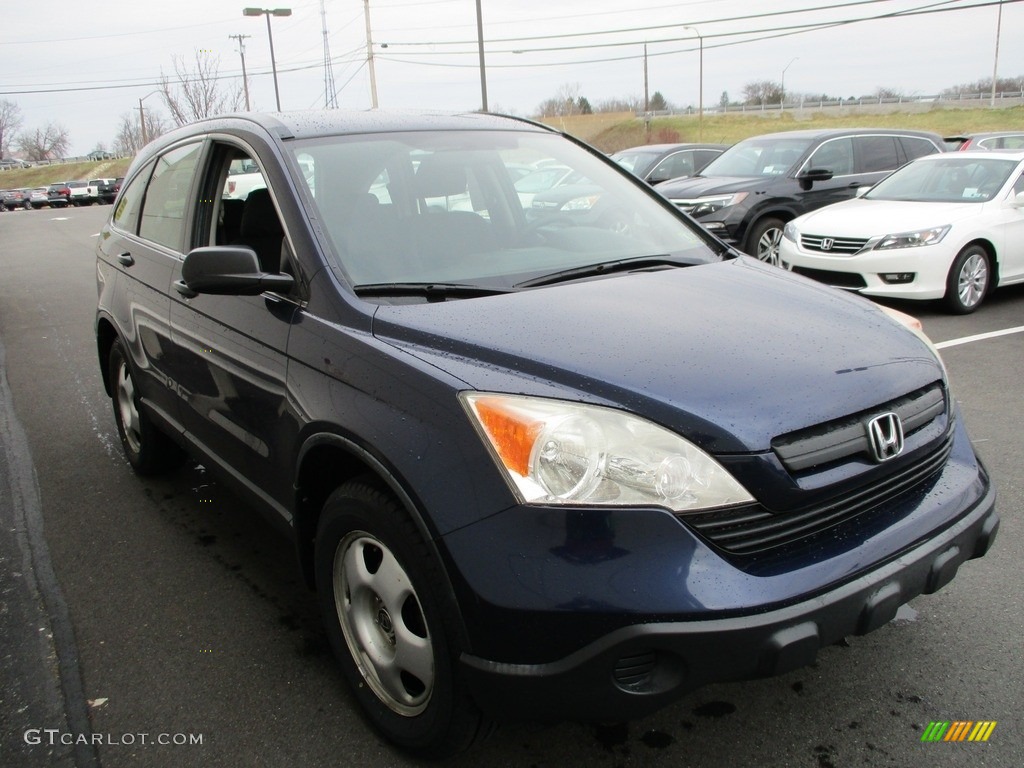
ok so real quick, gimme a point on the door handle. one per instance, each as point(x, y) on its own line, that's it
point(126, 259)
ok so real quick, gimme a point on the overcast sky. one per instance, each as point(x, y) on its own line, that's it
point(118, 50)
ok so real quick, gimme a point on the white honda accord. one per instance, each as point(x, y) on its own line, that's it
point(947, 226)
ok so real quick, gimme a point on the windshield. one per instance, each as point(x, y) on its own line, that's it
point(759, 156)
point(446, 208)
point(946, 180)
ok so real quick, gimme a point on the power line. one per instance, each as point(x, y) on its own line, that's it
point(757, 36)
point(781, 31)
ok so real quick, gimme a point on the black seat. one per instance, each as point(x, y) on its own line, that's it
point(261, 230)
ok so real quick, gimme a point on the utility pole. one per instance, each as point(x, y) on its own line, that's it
point(647, 102)
point(995, 63)
point(480, 45)
point(369, 55)
point(245, 79)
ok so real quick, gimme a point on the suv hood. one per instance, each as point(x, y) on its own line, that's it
point(677, 347)
point(699, 186)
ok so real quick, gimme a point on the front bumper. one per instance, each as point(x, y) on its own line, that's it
point(863, 272)
point(637, 669)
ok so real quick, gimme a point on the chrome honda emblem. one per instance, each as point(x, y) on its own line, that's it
point(885, 434)
point(827, 243)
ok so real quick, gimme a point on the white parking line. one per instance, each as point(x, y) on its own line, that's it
point(979, 337)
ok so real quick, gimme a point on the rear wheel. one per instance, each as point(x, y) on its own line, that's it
point(147, 449)
point(969, 280)
point(764, 241)
point(390, 625)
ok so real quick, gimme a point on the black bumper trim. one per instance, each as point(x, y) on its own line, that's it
point(689, 654)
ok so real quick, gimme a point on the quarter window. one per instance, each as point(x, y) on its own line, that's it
point(915, 148)
point(163, 212)
point(126, 214)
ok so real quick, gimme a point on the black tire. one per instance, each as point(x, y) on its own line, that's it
point(969, 280)
point(391, 624)
point(764, 239)
point(147, 449)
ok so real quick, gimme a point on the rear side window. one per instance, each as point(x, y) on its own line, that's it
point(126, 214)
point(877, 153)
point(163, 211)
point(915, 148)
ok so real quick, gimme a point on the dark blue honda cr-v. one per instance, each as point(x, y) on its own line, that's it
point(533, 459)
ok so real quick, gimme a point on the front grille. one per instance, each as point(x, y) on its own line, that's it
point(835, 279)
point(839, 246)
point(847, 437)
point(749, 530)
point(752, 529)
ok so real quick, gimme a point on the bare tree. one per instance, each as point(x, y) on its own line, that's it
point(567, 101)
point(128, 140)
point(762, 92)
point(1003, 84)
point(10, 121)
point(197, 94)
point(47, 143)
point(627, 104)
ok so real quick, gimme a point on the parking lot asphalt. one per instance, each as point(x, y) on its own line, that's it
point(135, 612)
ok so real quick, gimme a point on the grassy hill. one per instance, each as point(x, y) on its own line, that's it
point(612, 132)
point(44, 175)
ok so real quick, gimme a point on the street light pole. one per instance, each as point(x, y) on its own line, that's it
point(268, 12)
point(782, 85)
point(700, 91)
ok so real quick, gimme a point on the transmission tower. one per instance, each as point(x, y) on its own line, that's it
point(330, 97)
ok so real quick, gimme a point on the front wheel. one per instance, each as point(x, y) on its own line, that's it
point(391, 627)
point(969, 280)
point(765, 239)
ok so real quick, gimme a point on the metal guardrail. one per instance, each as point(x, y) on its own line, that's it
point(977, 100)
point(59, 161)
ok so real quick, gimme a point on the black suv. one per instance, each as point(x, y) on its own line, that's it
point(527, 456)
point(748, 193)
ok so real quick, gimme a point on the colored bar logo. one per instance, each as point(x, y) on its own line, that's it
point(959, 730)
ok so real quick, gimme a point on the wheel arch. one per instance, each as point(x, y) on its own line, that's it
point(993, 256)
point(784, 215)
point(106, 335)
point(327, 460)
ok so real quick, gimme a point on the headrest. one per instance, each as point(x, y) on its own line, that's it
point(259, 214)
point(440, 176)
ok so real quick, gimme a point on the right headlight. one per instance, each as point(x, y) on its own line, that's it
point(913, 239)
point(557, 452)
point(702, 206)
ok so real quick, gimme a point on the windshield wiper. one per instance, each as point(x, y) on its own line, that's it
point(430, 291)
point(637, 264)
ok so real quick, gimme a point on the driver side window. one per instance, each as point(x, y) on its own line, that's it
point(239, 208)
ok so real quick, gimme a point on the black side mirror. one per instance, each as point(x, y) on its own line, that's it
point(807, 178)
point(227, 270)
